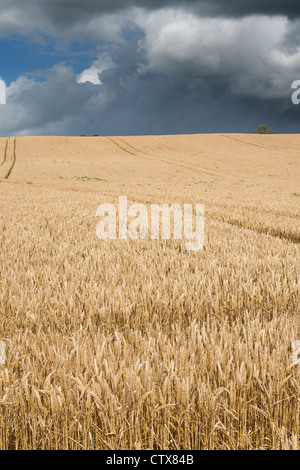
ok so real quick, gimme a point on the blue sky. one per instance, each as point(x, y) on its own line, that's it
point(126, 67)
point(24, 55)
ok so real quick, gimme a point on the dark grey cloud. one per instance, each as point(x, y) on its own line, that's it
point(68, 13)
point(238, 8)
point(70, 10)
point(127, 105)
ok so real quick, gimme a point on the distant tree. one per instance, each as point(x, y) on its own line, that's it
point(264, 130)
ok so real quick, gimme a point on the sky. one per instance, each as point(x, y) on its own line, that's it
point(140, 67)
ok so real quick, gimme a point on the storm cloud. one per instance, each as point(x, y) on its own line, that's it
point(70, 12)
point(157, 67)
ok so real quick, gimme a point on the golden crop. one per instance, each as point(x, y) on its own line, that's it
point(142, 344)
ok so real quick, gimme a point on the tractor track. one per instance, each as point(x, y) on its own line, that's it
point(5, 153)
point(270, 147)
point(269, 231)
point(9, 160)
point(122, 148)
point(138, 153)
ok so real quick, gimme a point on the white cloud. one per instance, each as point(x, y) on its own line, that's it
point(90, 75)
point(22, 83)
point(103, 62)
point(2, 91)
point(245, 53)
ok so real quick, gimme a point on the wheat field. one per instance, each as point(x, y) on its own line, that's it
point(141, 344)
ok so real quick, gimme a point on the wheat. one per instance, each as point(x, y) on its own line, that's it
point(141, 344)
